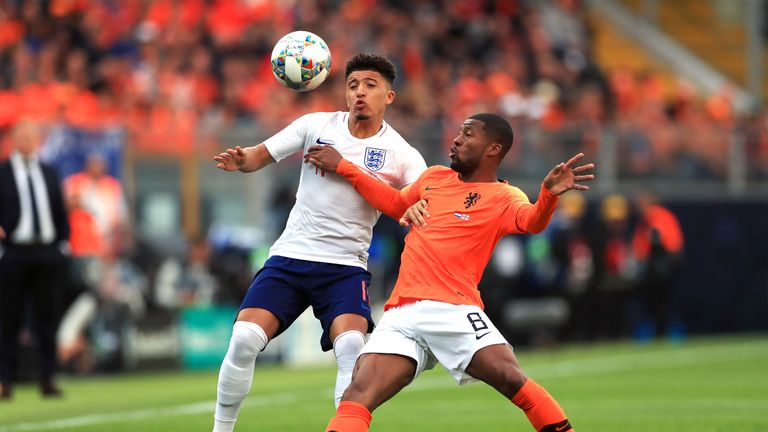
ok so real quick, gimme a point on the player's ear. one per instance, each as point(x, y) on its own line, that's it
point(390, 97)
point(493, 149)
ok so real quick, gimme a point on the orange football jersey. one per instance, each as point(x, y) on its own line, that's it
point(445, 260)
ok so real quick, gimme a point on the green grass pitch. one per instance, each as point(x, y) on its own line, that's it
point(704, 385)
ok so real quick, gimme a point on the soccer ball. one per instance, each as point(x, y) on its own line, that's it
point(301, 61)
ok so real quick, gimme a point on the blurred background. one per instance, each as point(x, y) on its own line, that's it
point(135, 97)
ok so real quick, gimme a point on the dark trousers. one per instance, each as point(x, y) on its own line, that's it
point(29, 275)
point(657, 286)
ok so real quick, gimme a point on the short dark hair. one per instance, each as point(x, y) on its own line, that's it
point(497, 129)
point(372, 62)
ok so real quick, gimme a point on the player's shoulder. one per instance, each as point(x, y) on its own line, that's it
point(393, 138)
point(315, 120)
point(512, 192)
point(319, 116)
point(438, 172)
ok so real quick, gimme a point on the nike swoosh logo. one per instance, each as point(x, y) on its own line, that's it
point(561, 426)
point(330, 143)
point(478, 337)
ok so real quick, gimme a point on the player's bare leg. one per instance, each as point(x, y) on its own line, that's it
point(250, 334)
point(348, 335)
point(497, 366)
point(377, 378)
point(261, 317)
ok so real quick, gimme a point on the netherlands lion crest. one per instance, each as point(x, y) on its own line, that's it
point(374, 158)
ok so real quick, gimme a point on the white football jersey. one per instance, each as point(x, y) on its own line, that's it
point(330, 221)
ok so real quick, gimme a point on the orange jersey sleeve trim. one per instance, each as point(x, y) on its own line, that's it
point(383, 197)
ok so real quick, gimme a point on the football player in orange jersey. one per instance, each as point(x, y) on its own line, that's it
point(435, 313)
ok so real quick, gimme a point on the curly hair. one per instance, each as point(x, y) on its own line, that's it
point(497, 129)
point(372, 62)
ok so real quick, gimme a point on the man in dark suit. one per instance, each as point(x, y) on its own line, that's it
point(33, 233)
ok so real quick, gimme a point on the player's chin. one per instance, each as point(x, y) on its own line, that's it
point(362, 116)
point(456, 166)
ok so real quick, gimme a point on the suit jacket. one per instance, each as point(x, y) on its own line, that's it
point(10, 206)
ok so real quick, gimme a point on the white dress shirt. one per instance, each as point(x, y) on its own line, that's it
point(24, 232)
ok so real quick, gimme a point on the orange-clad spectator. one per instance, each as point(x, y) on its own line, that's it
point(658, 227)
point(101, 195)
point(39, 102)
point(188, 13)
point(658, 248)
point(205, 88)
point(553, 117)
point(105, 25)
point(469, 89)
point(168, 131)
point(500, 83)
point(85, 239)
point(227, 21)
point(160, 12)
point(83, 111)
point(413, 61)
point(652, 88)
point(624, 88)
point(9, 108)
point(720, 106)
point(11, 31)
point(110, 112)
point(191, 13)
point(60, 8)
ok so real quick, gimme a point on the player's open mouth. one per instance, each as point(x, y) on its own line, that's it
point(452, 154)
point(359, 104)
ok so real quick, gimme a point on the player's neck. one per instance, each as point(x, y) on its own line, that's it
point(479, 176)
point(364, 128)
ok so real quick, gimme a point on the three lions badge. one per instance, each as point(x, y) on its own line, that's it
point(374, 158)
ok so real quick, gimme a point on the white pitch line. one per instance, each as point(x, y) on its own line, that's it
point(188, 409)
point(565, 368)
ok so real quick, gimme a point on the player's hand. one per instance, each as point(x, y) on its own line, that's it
point(416, 214)
point(564, 177)
point(231, 160)
point(324, 157)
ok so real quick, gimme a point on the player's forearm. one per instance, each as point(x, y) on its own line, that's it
point(256, 158)
point(534, 218)
point(380, 195)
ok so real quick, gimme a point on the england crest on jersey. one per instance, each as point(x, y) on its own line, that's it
point(374, 158)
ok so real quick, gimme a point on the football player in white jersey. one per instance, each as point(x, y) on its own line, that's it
point(320, 260)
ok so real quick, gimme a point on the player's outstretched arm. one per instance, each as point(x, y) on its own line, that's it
point(534, 218)
point(383, 197)
point(247, 159)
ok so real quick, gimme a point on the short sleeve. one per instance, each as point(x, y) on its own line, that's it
point(291, 139)
point(413, 166)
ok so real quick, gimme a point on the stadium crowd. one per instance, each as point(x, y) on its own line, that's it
point(176, 74)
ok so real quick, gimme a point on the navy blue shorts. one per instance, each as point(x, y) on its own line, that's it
point(287, 286)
